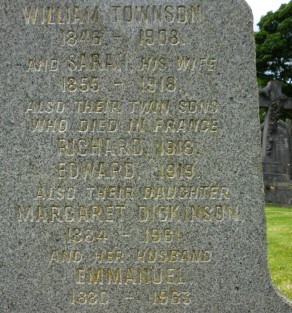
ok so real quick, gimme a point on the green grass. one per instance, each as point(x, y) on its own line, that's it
point(279, 231)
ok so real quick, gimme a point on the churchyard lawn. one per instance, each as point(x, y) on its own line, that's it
point(279, 232)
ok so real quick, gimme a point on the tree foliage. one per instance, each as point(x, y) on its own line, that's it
point(274, 47)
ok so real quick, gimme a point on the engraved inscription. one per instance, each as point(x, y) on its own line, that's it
point(43, 65)
point(89, 298)
point(109, 256)
point(125, 132)
point(186, 125)
point(159, 36)
point(85, 62)
point(83, 84)
point(48, 125)
point(71, 214)
point(88, 236)
point(110, 192)
point(66, 256)
point(60, 15)
point(98, 106)
point(158, 84)
point(45, 107)
point(55, 193)
point(190, 214)
point(128, 276)
point(97, 125)
point(173, 256)
point(179, 148)
point(186, 192)
point(205, 65)
point(152, 64)
point(98, 146)
point(184, 14)
point(71, 38)
point(177, 171)
point(150, 106)
point(170, 296)
point(96, 170)
point(162, 235)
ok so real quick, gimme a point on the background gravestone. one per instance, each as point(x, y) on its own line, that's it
point(276, 144)
point(130, 159)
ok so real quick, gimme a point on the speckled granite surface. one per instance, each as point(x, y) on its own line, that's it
point(130, 159)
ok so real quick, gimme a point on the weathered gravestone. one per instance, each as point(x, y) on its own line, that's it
point(276, 144)
point(130, 159)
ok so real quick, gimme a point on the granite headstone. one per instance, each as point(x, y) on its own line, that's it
point(130, 159)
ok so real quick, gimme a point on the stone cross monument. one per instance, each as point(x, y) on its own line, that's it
point(276, 144)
